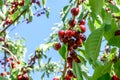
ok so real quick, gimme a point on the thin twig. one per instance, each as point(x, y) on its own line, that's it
point(9, 52)
point(5, 56)
point(85, 15)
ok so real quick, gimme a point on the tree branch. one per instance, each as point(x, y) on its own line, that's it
point(9, 52)
point(13, 21)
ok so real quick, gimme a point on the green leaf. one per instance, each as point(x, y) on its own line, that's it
point(101, 70)
point(115, 41)
point(109, 30)
point(1, 3)
point(91, 25)
point(96, 6)
point(104, 77)
point(65, 11)
point(63, 51)
point(114, 8)
point(43, 2)
point(107, 18)
point(2, 78)
point(77, 70)
point(46, 46)
point(47, 12)
point(93, 43)
point(117, 68)
point(118, 2)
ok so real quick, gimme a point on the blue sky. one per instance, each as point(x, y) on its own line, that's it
point(40, 29)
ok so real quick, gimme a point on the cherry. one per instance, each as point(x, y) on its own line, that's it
point(21, 3)
point(19, 77)
point(73, 54)
point(61, 33)
point(68, 33)
point(13, 65)
point(1, 39)
point(81, 22)
point(115, 77)
point(82, 28)
point(33, 1)
point(11, 58)
point(71, 42)
point(8, 21)
point(79, 42)
point(8, 73)
point(18, 62)
point(2, 74)
point(25, 77)
point(75, 11)
point(70, 73)
point(24, 71)
point(57, 46)
point(82, 36)
point(77, 60)
point(69, 59)
point(67, 77)
point(7, 59)
point(38, 3)
point(72, 23)
point(75, 46)
point(117, 33)
point(55, 78)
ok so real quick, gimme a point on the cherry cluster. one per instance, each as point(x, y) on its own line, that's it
point(23, 75)
point(74, 38)
point(10, 63)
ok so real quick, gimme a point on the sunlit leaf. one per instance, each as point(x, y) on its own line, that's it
point(63, 51)
point(93, 43)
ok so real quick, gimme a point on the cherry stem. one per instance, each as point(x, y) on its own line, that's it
point(65, 68)
point(84, 17)
point(5, 56)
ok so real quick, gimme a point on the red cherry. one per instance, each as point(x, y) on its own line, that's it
point(73, 54)
point(21, 3)
point(82, 36)
point(13, 63)
point(67, 77)
point(7, 59)
point(70, 73)
point(77, 60)
point(69, 59)
point(81, 22)
point(82, 28)
point(79, 42)
point(117, 33)
point(8, 73)
point(75, 11)
point(55, 78)
point(38, 3)
point(61, 33)
point(72, 23)
point(57, 46)
point(8, 21)
point(115, 77)
point(19, 77)
point(18, 62)
point(33, 1)
point(11, 58)
point(2, 74)
point(24, 71)
point(68, 33)
point(1, 39)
